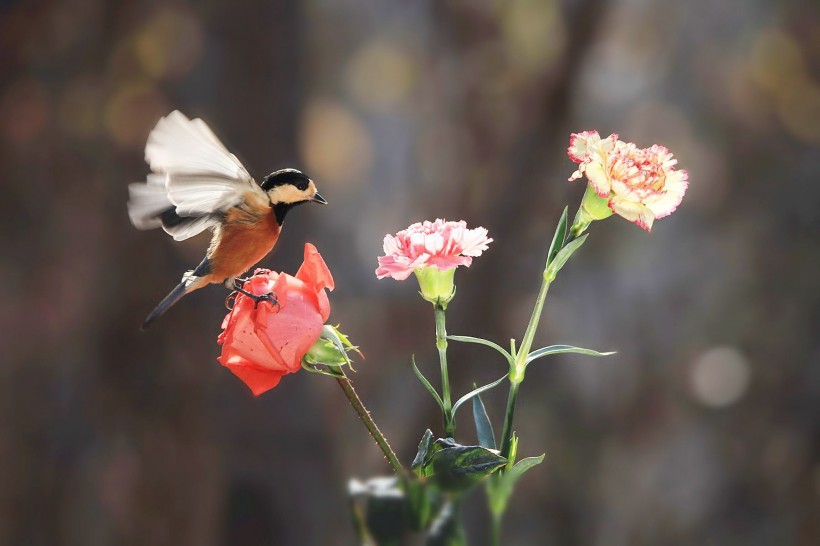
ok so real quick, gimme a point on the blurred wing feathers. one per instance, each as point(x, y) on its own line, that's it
point(196, 178)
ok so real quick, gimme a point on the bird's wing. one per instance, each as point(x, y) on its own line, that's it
point(196, 179)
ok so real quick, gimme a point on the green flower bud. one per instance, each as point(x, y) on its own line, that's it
point(437, 286)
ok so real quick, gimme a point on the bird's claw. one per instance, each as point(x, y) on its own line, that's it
point(270, 296)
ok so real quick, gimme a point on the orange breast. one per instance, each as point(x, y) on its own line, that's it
point(242, 243)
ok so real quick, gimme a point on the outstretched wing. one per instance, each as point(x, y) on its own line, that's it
point(195, 179)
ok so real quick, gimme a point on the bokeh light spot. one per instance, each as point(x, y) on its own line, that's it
point(79, 109)
point(380, 76)
point(335, 144)
point(534, 33)
point(24, 110)
point(720, 377)
point(170, 45)
point(132, 112)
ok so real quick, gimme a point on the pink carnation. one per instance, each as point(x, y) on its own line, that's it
point(440, 244)
point(641, 183)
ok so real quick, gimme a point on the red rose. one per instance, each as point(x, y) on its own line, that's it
point(260, 345)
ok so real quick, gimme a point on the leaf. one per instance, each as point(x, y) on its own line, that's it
point(446, 529)
point(454, 467)
point(424, 449)
point(483, 427)
point(474, 392)
point(427, 384)
point(563, 255)
point(559, 349)
point(559, 237)
point(504, 484)
point(384, 516)
point(480, 341)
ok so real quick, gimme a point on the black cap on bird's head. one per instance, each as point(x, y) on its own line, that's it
point(291, 186)
point(287, 188)
point(285, 176)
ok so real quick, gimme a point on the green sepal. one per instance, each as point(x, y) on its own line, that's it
point(560, 349)
point(480, 341)
point(427, 384)
point(477, 391)
point(483, 427)
point(454, 467)
point(563, 255)
point(560, 236)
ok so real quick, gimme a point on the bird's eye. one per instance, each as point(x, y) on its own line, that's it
point(301, 185)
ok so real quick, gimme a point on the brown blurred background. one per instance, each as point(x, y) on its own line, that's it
point(703, 429)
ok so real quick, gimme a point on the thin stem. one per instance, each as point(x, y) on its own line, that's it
point(529, 335)
point(441, 345)
point(506, 434)
point(496, 539)
point(364, 415)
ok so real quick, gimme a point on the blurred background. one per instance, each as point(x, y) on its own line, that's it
point(703, 429)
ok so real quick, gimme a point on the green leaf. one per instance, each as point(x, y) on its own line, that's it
point(502, 486)
point(488, 343)
point(563, 255)
point(559, 349)
point(385, 513)
point(474, 392)
point(454, 467)
point(427, 384)
point(483, 427)
point(559, 237)
point(446, 529)
point(423, 452)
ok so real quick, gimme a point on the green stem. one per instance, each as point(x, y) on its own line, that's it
point(441, 345)
point(529, 335)
point(506, 434)
point(364, 415)
point(496, 539)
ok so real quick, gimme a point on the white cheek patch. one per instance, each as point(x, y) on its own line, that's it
point(287, 194)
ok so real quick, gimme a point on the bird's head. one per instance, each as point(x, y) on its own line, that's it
point(290, 187)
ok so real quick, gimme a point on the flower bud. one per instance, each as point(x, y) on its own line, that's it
point(330, 349)
point(436, 285)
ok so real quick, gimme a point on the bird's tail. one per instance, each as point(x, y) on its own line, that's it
point(166, 303)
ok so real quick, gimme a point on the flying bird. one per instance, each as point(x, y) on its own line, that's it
point(197, 184)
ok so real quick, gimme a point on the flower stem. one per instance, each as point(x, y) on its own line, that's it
point(441, 345)
point(496, 538)
point(506, 434)
point(364, 415)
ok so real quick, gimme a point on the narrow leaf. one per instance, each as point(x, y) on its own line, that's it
point(503, 485)
point(483, 427)
point(480, 341)
point(559, 237)
point(427, 384)
point(564, 255)
point(523, 465)
point(474, 392)
point(559, 349)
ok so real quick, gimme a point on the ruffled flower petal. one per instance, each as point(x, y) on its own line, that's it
point(440, 244)
point(640, 183)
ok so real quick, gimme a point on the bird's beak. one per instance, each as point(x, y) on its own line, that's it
point(319, 199)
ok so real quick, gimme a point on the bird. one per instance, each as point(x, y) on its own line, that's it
point(196, 184)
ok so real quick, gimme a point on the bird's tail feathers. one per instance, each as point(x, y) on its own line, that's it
point(166, 303)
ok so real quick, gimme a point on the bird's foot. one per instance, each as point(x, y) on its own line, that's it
point(270, 297)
